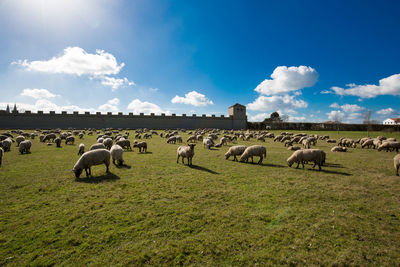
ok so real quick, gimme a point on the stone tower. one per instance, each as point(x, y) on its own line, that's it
point(238, 113)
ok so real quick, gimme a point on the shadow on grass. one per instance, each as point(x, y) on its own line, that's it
point(332, 172)
point(202, 169)
point(274, 165)
point(333, 165)
point(108, 177)
point(123, 166)
point(148, 152)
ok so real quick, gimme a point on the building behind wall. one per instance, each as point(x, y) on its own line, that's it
point(237, 119)
point(392, 121)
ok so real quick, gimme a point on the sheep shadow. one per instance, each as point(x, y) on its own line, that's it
point(108, 177)
point(148, 152)
point(332, 172)
point(333, 165)
point(123, 166)
point(196, 167)
point(273, 165)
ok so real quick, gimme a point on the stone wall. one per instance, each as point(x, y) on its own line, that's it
point(28, 120)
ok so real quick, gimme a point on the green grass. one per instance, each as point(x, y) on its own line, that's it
point(218, 212)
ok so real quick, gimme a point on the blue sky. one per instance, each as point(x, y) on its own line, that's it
point(310, 60)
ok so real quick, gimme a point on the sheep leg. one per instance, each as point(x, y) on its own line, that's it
point(107, 170)
point(252, 161)
point(319, 167)
point(234, 158)
point(298, 164)
point(302, 163)
point(397, 171)
point(261, 159)
point(183, 162)
point(87, 173)
point(177, 160)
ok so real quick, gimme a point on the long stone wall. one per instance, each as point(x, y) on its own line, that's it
point(28, 120)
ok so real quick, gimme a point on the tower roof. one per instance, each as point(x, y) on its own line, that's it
point(237, 105)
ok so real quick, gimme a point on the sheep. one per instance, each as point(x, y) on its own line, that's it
point(288, 143)
point(396, 161)
point(108, 142)
point(191, 139)
point(70, 139)
point(80, 135)
point(339, 149)
point(185, 152)
point(124, 143)
point(235, 151)
point(367, 143)
point(58, 141)
point(179, 139)
point(312, 140)
point(1, 155)
point(25, 146)
point(294, 148)
point(97, 146)
point(171, 139)
point(255, 150)
point(300, 156)
point(90, 158)
point(6, 144)
point(49, 137)
point(389, 146)
point(81, 149)
point(392, 139)
point(100, 140)
point(261, 138)
point(208, 143)
point(141, 145)
point(116, 154)
point(19, 139)
point(278, 138)
point(306, 144)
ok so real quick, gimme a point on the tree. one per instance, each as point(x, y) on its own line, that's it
point(275, 117)
point(8, 109)
point(337, 119)
point(367, 119)
point(285, 118)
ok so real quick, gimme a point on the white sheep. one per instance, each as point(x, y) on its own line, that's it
point(396, 161)
point(108, 142)
point(191, 138)
point(141, 145)
point(70, 139)
point(294, 148)
point(171, 139)
point(300, 156)
point(124, 143)
point(185, 152)
point(235, 151)
point(58, 141)
point(389, 146)
point(306, 143)
point(208, 143)
point(251, 151)
point(1, 155)
point(6, 144)
point(19, 139)
point(97, 146)
point(339, 149)
point(25, 146)
point(116, 154)
point(90, 158)
point(81, 149)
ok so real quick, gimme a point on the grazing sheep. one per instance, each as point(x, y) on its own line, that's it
point(251, 151)
point(25, 147)
point(1, 155)
point(70, 139)
point(171, 139)
point(396, 161)
point(278, 138)
point(339, 149)
point(58, 141)
point(294, 148)
point(6, 144)
point(19, 139)
point(116, 154)
point(108, 142)
point(124, 143)
point(288, 143)
point(367, 143)
point(97, 146)
point(300, 156)
point(312, 140)
point(49, 137)
point(90, 158)
point(235, 151)
point(191, 139)
point(185, 152)
point(100, 140)
point(208, 143)
point(179, 139)
point(389, 146)
point(392, 139)
point(306, 144)
point(141, 145)
point(81, 149)
point(80, 135)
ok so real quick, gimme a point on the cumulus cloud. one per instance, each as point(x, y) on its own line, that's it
point(76, 60)
point(335, 115)
point(348, 107)
point(299, 118)
point(37, 93)
point(110, 106)
point(287, 79)
point(46, 106)
point(285, 103)
point(387, 86)
point(115, 83)
point(258, 117)
point(192, 98)
point(387, 111)
point(137, 106)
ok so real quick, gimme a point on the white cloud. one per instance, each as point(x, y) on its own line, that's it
point(387, 86)
point(285, 104)
point(335, 115)
point(334, 105)
point(258, 117)
point(347, 107)
point(287, 79)
point(137, 106)
point(37, 93)
point(193, 98)
point(386, 111)
point(46, 106)
point(110, 106)
point(115, 83)
point(300, 118)
point(153, 89)
point(76, 60)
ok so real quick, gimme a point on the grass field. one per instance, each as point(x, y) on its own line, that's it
point(217, 212)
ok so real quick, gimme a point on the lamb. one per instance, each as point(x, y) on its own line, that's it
point(396, 161)
point(70, 139)
point(235, 151)
point(208, 143)
point(25, 147)
point(141, 145)
point(1, 155)
point(300, 156)
point(90, 158)
point(294, 148)
point(255, 150)
point(116, 154)
point(108, 142)
point(97, 146)
point(58, 141)
point(81, 149)
point(124, 143)
point(339, 149)
point(186, 152)
point(19, 139)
